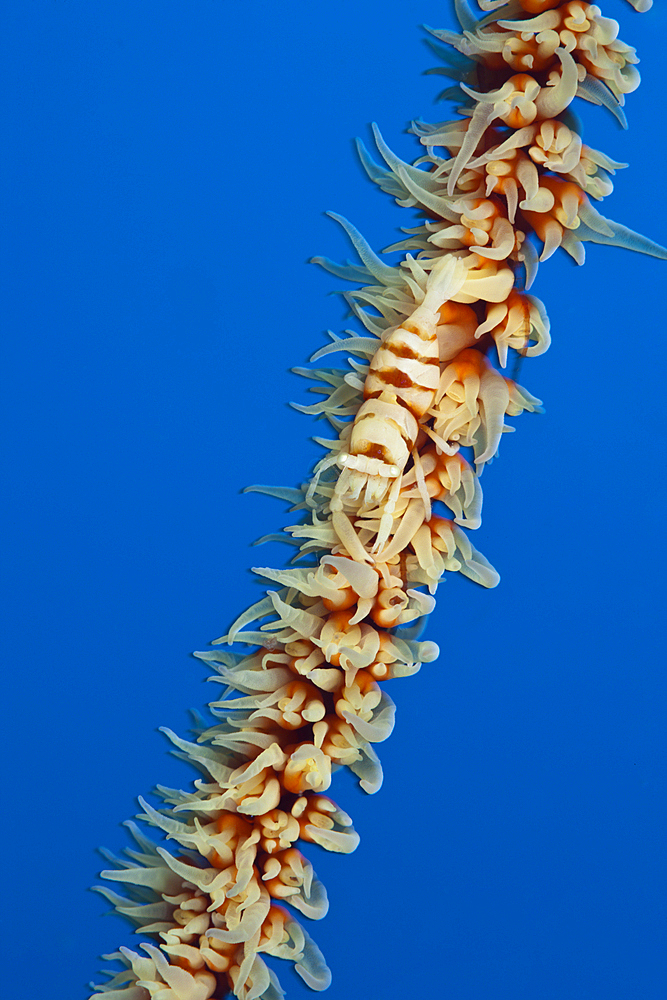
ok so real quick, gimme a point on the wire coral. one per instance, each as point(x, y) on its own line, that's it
point(416, 415)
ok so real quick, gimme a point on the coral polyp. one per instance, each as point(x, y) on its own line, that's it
point(416, 414)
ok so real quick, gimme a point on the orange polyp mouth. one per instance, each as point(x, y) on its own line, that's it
point(539, 6)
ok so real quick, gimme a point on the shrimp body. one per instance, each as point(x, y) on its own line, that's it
point(399, 391)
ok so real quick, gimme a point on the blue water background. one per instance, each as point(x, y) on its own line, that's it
point(167, 167)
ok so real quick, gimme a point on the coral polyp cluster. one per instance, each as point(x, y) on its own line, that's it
point(416, 415)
